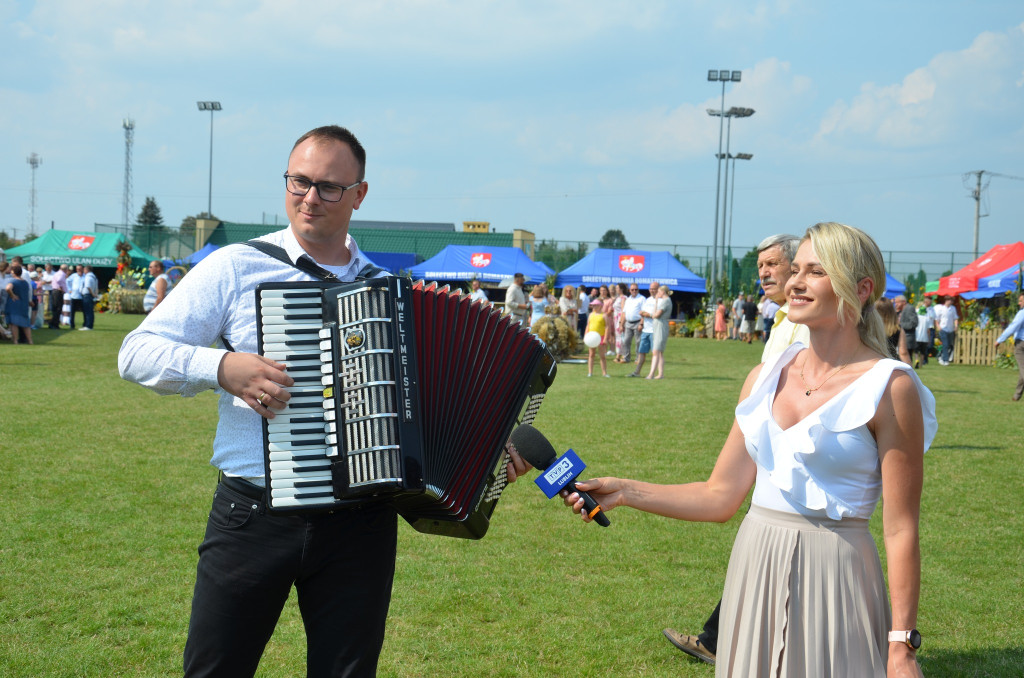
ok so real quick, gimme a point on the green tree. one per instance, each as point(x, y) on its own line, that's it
point(613, 239)
point(558, 258)
point(6, 241)
point(915, 283)
point(149, 225)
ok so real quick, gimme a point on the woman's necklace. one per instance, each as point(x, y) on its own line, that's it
point(810, 390)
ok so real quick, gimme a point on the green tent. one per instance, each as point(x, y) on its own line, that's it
point(72, 248)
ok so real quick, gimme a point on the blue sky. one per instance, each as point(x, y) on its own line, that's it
point(563, 117)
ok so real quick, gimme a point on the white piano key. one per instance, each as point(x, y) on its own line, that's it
point(291, 453)
point(297, 502)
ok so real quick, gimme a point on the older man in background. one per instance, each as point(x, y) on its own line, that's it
point(774, 257)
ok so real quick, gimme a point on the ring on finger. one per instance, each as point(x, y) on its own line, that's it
point(260, 399)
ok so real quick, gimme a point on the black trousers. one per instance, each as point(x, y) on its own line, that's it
point(342, 565)
point(709, 636)
point(56, 306)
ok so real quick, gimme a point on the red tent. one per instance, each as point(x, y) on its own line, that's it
point(999, 258)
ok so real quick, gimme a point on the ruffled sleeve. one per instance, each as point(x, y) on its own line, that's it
point(827, 462)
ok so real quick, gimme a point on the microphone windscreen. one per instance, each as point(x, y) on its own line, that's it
point(533, 446)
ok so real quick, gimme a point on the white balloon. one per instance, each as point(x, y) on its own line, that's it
point(592, 339)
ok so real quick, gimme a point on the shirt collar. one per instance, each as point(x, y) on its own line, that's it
point(294, 250)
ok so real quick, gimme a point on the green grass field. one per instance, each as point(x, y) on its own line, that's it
point(106, 486)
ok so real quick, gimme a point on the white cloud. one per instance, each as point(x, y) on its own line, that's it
point(202, 29)
point(954, 93)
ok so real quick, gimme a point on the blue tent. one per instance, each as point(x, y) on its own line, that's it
point(631, 266)
point(893, 287)
point(465, 262)
point(395, 262)
point(1000, 283)
point(200, 254)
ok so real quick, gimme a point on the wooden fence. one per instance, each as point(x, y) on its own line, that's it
point(977, 347)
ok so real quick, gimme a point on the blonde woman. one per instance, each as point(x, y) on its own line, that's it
point(821, 433)
point(662, 312)
point(568, 306)
point(538, 303)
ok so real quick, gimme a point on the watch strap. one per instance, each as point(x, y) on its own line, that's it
point(899, 636)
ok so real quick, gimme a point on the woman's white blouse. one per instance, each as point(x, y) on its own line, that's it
point(826, 464)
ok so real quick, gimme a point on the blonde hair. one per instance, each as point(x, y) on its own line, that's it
point(887, 312)
point(849, 255)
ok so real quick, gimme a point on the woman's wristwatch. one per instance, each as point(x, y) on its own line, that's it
point(911, 639)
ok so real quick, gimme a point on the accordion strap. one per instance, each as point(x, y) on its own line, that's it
point(307, 265)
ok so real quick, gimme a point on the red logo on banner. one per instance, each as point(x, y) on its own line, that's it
point(631, 263)
point(81, 242)
point(481, 259)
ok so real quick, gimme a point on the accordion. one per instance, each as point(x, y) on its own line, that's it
point(403, 392)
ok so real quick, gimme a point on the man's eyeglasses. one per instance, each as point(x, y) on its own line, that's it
point(328, 192)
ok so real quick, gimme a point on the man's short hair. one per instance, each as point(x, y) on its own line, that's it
point(338, 133)
point(786, 242)
point(900, 297)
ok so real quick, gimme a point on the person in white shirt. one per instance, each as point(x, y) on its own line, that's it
point(90, 293)
point(821, 433)
point(737, 315)
point(643, 346)
point(477, 294)
point(158, 288)
point(75, 290)
point(947, 321)
point(629, 322)
point(515, 299)
point(341, 563)
point(583, 305)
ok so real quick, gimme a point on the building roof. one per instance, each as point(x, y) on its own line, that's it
point(420, 238)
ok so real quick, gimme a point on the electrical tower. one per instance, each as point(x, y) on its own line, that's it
point(126, 200)
point(35, 161)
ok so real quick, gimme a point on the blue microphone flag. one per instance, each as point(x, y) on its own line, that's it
point(560, 473)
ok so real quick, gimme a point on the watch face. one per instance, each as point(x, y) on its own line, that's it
point(915, 639)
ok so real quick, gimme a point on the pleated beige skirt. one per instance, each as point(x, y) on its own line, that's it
point(803, 597)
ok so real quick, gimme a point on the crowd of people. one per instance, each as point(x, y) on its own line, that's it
point(743, 319)
point(622, 319)
point(31, 296)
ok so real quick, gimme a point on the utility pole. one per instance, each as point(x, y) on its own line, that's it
point(35, 161)
point(979, 187)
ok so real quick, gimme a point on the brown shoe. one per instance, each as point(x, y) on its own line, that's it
point(691, 645)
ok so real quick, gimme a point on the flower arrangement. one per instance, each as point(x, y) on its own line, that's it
point(128, 282)
point(556, 334)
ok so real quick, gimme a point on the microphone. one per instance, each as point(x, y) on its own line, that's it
point(556, 474)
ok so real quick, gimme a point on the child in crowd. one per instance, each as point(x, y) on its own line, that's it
point(596, 323)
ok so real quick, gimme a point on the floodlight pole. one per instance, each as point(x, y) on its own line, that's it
point(210, 106)
point(712, 75)
point(731, 189)
point(722, 76)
